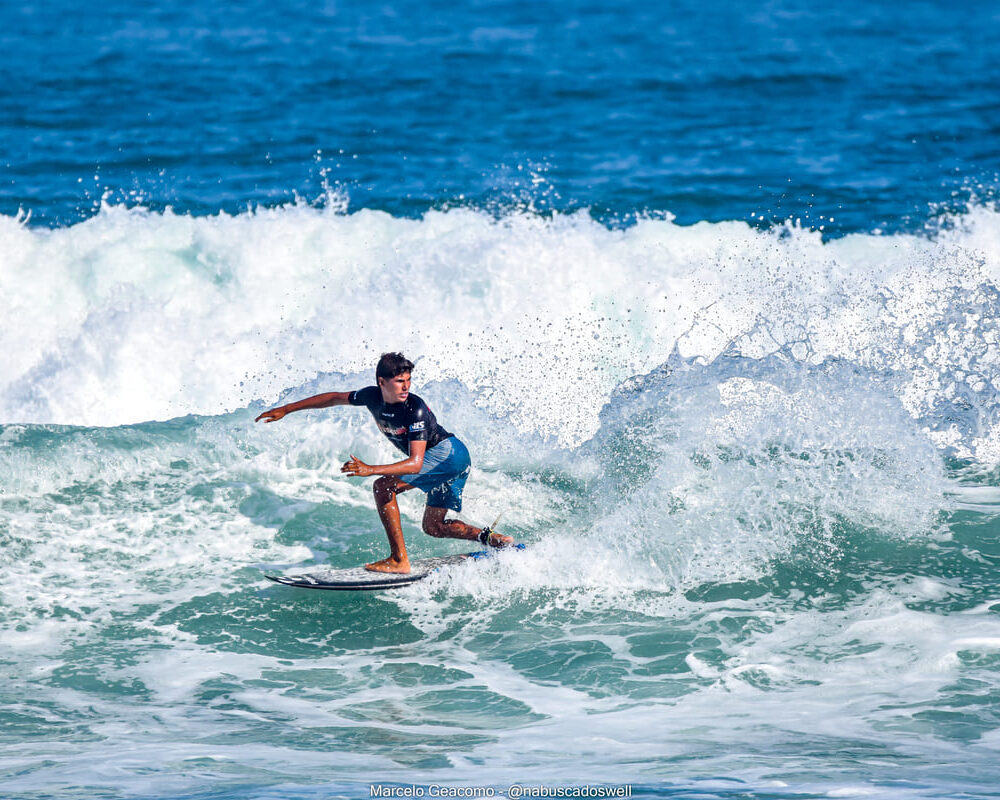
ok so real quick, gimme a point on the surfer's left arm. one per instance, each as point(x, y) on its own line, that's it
point(408, 466)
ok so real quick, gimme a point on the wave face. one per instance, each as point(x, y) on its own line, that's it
point(752, 444)
point(756, 470)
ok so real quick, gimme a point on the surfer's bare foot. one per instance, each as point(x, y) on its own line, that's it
point(390, 565)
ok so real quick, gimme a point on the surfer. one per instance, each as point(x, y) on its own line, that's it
point(436, 462)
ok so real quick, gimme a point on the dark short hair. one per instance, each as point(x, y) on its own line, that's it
point(392, 364)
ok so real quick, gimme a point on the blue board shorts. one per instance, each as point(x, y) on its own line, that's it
point(446, 467)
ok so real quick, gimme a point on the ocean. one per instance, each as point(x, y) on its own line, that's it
point(710, 290)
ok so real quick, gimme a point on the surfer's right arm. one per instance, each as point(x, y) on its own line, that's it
point(316, 401)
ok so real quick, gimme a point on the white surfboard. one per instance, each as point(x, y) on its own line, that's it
point(359, 578)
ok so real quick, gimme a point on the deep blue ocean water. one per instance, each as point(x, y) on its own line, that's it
point(711, 291)
point(709, 110)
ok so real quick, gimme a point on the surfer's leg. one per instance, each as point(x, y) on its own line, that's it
point(446, 468)
point(435, 524)
point(386, 488)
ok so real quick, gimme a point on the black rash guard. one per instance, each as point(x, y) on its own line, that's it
point(402, 423)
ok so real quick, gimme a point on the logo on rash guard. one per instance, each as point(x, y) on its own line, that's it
point(390, 430)
point(416, 427)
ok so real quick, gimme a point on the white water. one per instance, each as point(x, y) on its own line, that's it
point(133, 316)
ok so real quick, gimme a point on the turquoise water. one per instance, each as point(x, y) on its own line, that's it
point(758, 576)
point(710, 292)
point(762, 566)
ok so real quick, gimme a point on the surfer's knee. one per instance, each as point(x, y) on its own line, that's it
point(384, 488)
point(435, 527)
point(434, 523)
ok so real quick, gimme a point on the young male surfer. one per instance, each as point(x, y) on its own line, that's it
point(436, 461)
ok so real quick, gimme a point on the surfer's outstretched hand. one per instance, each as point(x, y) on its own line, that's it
point(271, 416)
point(357, 467)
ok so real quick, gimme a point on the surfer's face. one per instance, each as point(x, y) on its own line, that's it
point(395, 390)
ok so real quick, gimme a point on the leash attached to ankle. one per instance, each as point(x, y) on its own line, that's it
point(487, 532)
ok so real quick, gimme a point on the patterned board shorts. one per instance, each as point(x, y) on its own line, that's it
point(446, 467)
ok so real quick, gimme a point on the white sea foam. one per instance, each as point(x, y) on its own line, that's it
point(134, 315)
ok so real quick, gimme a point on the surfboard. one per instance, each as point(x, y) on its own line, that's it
point(360, 579)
